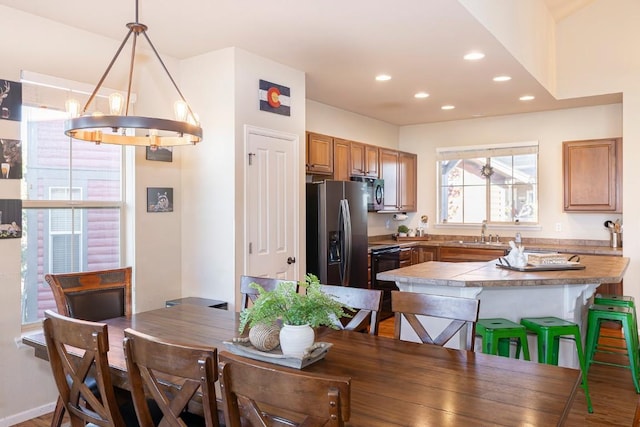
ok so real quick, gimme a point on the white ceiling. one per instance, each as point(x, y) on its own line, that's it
point(341, 46)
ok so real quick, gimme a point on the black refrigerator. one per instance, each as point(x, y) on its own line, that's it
point(337, 232)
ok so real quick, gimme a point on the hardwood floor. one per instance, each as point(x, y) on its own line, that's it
point(612, 392)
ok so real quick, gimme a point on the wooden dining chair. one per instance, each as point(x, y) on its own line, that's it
point(250, 294)
point(90, 295)
point(261, 393)
point(84, 404)
point(366, 305)
point(462, 312)
point(149, 360)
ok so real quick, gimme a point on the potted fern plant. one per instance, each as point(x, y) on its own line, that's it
point(298, 313)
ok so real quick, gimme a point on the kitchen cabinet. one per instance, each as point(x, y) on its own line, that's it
point(399, 171)
point(341, 159)
point(421, 254)
point(459, 254)
point(364, 160)
point(408, 181)
point(319, 154)
point(592, 172)
point(405, 257)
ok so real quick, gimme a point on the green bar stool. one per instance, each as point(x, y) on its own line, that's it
point(624, 315)
point(549, 330)
point(497, 335)
point(620, 301)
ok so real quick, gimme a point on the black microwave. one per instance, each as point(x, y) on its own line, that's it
point(375, 192)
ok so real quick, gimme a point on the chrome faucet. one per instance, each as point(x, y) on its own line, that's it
point(484, 231)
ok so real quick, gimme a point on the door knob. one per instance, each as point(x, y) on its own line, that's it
point(291, 260)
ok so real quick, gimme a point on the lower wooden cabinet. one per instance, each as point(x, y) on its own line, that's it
point(405, 257)
point(459, 254)
point(420, 254)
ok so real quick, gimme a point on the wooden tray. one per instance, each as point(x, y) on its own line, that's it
point(545, 267)
point(275, 356)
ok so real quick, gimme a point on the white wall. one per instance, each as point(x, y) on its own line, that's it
point(213, 174)
point(549, 129)
point(597, 53)
point(49, 48)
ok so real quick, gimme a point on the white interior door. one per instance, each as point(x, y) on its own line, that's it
point(271, 205)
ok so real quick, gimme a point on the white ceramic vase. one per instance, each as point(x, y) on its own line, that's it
point(294, 339)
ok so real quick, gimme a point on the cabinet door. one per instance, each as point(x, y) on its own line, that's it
point(371, 161)
point(592, 175)
point(358, 166)
point(341, 159)
point(389, 172)
point(456, 254)
point(319, 153)
point(422, 254)
point(407, 181)
point(364, 160)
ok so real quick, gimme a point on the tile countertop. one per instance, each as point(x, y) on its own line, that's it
point(589, 247)
point(599, 269)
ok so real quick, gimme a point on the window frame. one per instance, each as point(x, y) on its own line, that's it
point(32, 81)
point(487, 152)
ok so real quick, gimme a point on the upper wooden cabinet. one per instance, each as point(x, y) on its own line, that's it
point(341, 159)
point(389, 172)
point(364, 160)
point(592, 175)
point(408, 181)
point(399, 171)
point(319, 153)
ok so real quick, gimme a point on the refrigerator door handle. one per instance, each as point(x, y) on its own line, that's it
point(347, 252)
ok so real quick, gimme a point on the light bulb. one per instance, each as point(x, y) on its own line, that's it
point(116, 101)
point(180, 110)
point(73, 107)
point(194, 119)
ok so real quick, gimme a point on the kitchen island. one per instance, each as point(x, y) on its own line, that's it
point(515, 294)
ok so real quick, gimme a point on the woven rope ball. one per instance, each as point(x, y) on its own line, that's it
point(265, 337)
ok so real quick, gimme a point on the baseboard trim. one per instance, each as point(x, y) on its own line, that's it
point(27, 415)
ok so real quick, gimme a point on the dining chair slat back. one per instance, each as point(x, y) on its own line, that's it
point(72, 375)
point(149, 360)
point(461, 312)
point(92, 295)
point(366, 305)
point(250, 294)
point(262, 393)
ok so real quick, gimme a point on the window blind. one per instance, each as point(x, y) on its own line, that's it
point(495, 150)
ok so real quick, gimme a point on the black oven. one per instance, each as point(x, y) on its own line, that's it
point(384, 258)
point(375, 192)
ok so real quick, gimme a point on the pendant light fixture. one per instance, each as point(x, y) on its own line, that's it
point(111, 129)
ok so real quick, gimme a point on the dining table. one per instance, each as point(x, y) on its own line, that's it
point(393, 382)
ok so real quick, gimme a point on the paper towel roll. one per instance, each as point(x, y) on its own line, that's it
point(399, 217)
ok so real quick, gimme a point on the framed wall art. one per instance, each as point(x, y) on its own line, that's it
point(10, 219)
point(159, 199)
point(160, 154)
point(11, 158)
point(10, 100)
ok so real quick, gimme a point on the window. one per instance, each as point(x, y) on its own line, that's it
point(497, 183)
point(73, 199)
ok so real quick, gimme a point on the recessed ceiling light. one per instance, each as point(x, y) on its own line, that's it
point(527, 98)
point(474, 56)
point(421, 95)
point(383, 77)
point(448, 107)
point(501, 78)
